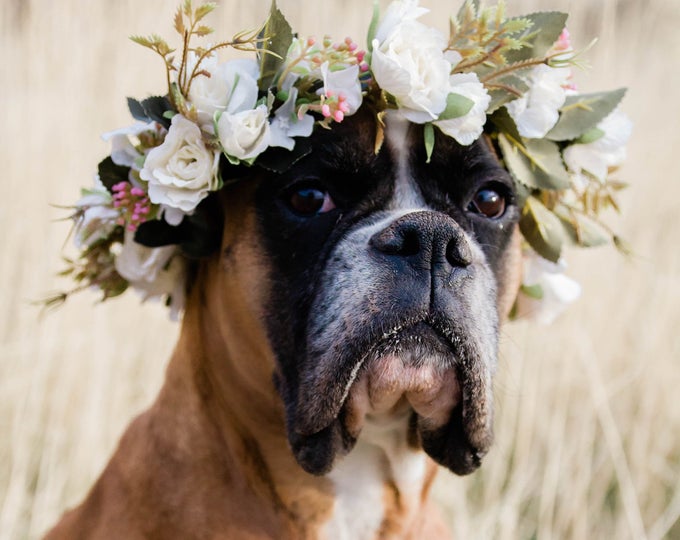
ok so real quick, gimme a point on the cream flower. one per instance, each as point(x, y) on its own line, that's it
point(231, 87)
point(466, 129)
point(537, 111)
point(123, 152)
point(408, 62)
point(181, 171)
point(153, 272)
point(558, 290)
point(98, 217)
point(608, 151)
point(285, 125)
point(342, 82)
point(244, 135)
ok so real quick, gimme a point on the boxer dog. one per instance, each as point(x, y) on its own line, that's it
point(338, 347)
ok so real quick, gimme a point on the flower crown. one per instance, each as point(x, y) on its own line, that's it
point(508, 78)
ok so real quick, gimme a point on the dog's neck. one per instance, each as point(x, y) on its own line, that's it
point(221, 375)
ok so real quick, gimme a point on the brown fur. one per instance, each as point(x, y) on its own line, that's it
point(210, 459)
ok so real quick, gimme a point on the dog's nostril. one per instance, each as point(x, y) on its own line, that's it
point(458, 252)
point(397, 241)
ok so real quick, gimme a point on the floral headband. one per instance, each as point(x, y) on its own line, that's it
point(508, 78)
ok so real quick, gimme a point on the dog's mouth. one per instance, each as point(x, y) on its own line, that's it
point(421, 371)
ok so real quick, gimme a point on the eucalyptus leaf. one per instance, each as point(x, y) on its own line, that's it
point(583, 231)
point(501, 95)
point(505, 123)
point(277, 35)
point(590, 136)
point(536, 163)
point(542, 229)
point(456, 106)
point(581, 113)
point(547, 27)
point(533, 291)
point(372, 28)
point(428, 136)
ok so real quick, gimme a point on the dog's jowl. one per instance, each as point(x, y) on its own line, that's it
point(341, 342)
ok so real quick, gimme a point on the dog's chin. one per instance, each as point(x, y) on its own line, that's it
point(415, 375)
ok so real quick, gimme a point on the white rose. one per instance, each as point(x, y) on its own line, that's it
point(244, 135)
point(557, 289)
point(98, 217)
point(408, 62)
point(231, 87)
point(466, 129)
point(153, 272)
point(537, 111)
point(181, 171)
point(608, 151)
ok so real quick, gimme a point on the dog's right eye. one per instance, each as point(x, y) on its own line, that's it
point(309, 201)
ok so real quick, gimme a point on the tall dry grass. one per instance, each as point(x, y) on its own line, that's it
point(588, 422)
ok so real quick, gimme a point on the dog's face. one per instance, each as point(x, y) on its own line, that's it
point(385, 273)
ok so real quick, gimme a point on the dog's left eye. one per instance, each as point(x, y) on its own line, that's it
point(310, 201)
point(489, 202)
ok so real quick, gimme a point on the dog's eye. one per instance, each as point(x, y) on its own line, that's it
point(488, 202)
point(310, 201)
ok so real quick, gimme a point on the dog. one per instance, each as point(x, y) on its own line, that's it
point(335, 352)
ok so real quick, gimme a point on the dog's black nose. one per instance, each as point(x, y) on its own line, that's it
point(425, 239)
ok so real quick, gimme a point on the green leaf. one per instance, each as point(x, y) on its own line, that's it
point(428, 136)
point(372, 27)
point(155, 108)
point(111, 174)
point(501, 96)
point(137, 110)
point(533, 291)
point(469, 9)
point(203, 10)
point(581, 230)
point(536, 163)
point(505, 123)
point(582, 113)
point(277, 35)
point(541, 229)
point(456, 106)
point(547, 27)
point(590, 136)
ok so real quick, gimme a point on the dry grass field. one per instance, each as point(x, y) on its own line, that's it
point(588, 420)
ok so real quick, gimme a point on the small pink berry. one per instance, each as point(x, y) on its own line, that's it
point(330, 93)
point(311, 41)
point(325, 110)
point(360, 56)
point(363, 68)
point(339, 116)
point(344, 107)
point(137, 192)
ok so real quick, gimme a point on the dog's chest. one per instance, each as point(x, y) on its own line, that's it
point(378, 485)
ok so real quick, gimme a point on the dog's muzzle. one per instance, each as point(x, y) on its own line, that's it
point(405, 324)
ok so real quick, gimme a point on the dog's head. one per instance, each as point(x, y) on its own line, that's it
point(385, 274)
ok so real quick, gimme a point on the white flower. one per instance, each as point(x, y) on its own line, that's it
point(285, 125)
point(123, 152)
point(181, 171)
point(343, 82)
point(558, 290)
point(153, 272)
point(231, 87)
point(537, 111)
point(98, 216)
point(467, 128)
point(608, 151)
point(244, 135)
point(408, 62)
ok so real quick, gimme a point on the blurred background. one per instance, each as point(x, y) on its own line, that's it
point(588, 417)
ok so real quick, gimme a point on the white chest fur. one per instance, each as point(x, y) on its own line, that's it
point(380, 461)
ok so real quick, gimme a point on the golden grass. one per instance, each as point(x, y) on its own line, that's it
point(588, 421)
